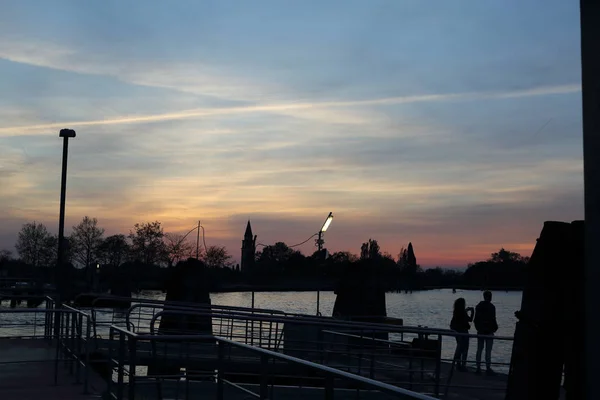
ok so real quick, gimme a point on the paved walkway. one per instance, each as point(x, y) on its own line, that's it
point(27, 372)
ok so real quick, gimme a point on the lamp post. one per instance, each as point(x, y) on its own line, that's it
point(326, 224)
point(60, 287)
point(198, 227)
point(320, 243)
point(65, 134)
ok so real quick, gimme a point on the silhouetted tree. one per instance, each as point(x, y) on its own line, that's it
point(85, 241)
point(412, 266)
point(5, 255)
point(113, 250)
point(147, 243)
point(177, 248)
point(277, 253)
point(402, 258)
point(36, 246)
point(370, 250)
point(503, 255)
point(343, 257)
point(502, 269)
point(388, 256)
point(217, 257)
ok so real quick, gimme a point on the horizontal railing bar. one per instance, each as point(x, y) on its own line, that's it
point(243, 389)
point(446, 332)
point(296, 320)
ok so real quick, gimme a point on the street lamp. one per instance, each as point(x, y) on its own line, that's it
point(326, 224)
point(65, 134)
point(320, 243)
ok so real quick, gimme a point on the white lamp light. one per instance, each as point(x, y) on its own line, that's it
point(327, 222)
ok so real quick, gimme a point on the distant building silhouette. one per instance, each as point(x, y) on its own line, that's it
point(248, 249)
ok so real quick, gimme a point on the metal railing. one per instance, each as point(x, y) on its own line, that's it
point(75, 341)
point(415, 358)
point(138, 316)
point(309, 338)
point(66, 331)
point(128, 349)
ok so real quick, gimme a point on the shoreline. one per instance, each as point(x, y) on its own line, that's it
point(331, 288)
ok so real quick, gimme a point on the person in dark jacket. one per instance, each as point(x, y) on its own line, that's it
point(460, 323)
point(485, 323)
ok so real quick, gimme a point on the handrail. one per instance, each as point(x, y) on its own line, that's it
point(197, 306)
point(139, 300)
point(76, 310)
point(381, 386)
point(266, 318)
point(332, 322)
point(449, 332)
point(392, 342)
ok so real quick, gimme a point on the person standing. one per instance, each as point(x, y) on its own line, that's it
point(461, 318)
point(486, 324)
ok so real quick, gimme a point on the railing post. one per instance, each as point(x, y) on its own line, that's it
point(57, 323)
point(438, 366)
point(73, 357)
point(320, 346)
point(109, 381)
point(79, 345)
point(410, 369)
point(56, 356)
point(220, 371)
point(64, 337)
point(87, 355)
point(264, 387)
point(360, 350)
point(318, 302)
point(121, 367)
point(132, 366)
point(329, 387)
point(46, 321)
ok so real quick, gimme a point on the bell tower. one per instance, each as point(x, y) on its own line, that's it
point(248, 249)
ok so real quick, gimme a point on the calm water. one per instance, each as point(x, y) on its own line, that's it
point(432, 308)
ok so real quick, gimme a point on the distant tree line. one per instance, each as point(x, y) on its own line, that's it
point(144, 253)
point(147, 253)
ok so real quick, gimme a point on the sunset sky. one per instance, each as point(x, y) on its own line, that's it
point(455, 125)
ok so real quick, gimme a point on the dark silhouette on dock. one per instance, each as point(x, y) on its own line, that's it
point(461, 319)
point(486, 324)
point(549, 333)
point(359, 294)
point(188, 283)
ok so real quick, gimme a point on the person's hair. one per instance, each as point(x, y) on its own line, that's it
point(487, 295)
point(459, 305)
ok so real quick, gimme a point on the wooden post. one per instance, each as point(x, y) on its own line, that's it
point(590, 74)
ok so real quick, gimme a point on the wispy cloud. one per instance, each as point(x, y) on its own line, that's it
point(274, 108)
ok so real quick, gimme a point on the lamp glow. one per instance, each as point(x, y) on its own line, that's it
point(327, 222)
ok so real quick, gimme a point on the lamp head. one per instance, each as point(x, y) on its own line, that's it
point(69, 133)
point(327, 222)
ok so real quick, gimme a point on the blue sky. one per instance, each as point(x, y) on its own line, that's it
point(454, 125)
